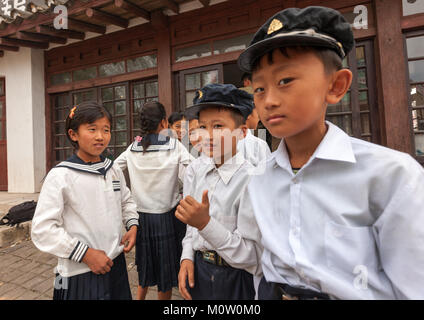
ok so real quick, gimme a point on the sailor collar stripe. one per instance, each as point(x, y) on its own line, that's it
point(169, 145)
point(98, 168)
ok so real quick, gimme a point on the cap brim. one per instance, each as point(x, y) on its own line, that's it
point(193, 111)
point(260, 48)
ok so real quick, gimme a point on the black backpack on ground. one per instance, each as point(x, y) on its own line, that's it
point(19, 213)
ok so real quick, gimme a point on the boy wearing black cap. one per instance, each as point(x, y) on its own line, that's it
point(340, 217)
point(221, 250)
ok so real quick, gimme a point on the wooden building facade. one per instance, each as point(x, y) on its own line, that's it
point(173, 53)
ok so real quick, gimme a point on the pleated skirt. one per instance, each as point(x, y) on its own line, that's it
point(157, 251)
point(113, 285)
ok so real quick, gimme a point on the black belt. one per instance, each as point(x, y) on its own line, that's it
point(287, 292)
point(213, 257)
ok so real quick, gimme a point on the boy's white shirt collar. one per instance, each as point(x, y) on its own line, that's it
point(335, 145)
point(227, 170)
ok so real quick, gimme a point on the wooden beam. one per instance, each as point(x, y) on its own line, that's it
point(412, 22)
point(106, 17)
point(24, 43)
point(23, 35)
point(9, 48)
point(130, 7)
point(392, 80)
point(77, 24)
point(205, 3)
point(60, 33)
point(171, 5)
point(77, 7)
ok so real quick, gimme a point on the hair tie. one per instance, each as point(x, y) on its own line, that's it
point(72, 113)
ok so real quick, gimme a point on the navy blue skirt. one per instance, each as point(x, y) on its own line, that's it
point(157, 253)
point(113, 285)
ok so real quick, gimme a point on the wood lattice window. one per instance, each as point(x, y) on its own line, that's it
point(415, 51)
point(357, 112)
point(122, 100)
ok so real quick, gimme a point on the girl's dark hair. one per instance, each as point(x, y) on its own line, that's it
point(85, 112)
point(151, 114)
point(175, 116)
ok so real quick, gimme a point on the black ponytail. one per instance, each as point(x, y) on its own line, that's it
point(151, 114)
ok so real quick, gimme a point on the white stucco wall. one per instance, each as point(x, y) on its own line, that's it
point(25, 119)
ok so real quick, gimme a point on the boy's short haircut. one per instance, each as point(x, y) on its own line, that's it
point(190, 116)
point(330, 59)
point(175, 116)
point(238, 118)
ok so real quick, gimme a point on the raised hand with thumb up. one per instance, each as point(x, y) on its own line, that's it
point(194, 213)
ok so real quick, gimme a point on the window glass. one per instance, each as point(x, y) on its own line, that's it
point(189, 53)
point(233, 44)
point(415, 47)
point(416, 71)
point(142, 63)
point(85, 74)
point(60, 78)
point(111, 69)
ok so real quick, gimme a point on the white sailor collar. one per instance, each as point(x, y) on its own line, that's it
point(158, 142)
point(336, 145)
point(76, 163)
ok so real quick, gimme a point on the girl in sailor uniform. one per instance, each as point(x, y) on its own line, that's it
point(156, 166)
point(82, 208)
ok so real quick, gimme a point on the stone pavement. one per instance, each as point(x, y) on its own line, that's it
point(27, 274)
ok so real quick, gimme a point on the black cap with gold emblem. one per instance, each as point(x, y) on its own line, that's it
point(311, 26)
point(221, 95)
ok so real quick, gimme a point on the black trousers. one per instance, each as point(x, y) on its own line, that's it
point(212, 282)
point(274, 291)
point(113, 285)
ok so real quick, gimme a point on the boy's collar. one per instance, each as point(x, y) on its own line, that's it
point(76, 163)
point(335, 146)
point(227, 170)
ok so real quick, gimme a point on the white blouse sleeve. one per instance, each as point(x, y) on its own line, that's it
point(47, 231)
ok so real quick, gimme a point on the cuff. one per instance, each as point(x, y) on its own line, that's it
point(131, 222)
point(78, 252)
point(187, 254)
point(214, 233)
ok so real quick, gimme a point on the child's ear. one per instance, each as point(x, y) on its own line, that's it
point(243, 131)
point(73, 135)
point(340, 84)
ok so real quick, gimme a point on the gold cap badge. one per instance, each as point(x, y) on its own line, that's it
point(200, 94)
point(275, 26)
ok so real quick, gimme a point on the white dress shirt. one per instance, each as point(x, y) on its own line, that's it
point(350, 223)
point(232, 230)
point(82, 206)
point(156, 175)
point(254, 150)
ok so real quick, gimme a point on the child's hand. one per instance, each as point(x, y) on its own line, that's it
point(97, 261)
point(129, 238)
point(186, 269)
point(194, 213)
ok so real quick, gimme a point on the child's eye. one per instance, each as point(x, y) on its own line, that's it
point(202, 127)
point(258, 90)
point(217, 126)
point(285, 81)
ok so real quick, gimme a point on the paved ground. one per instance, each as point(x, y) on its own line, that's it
point(27, 274)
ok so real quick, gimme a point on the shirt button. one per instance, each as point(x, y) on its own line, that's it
point(295, 181)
